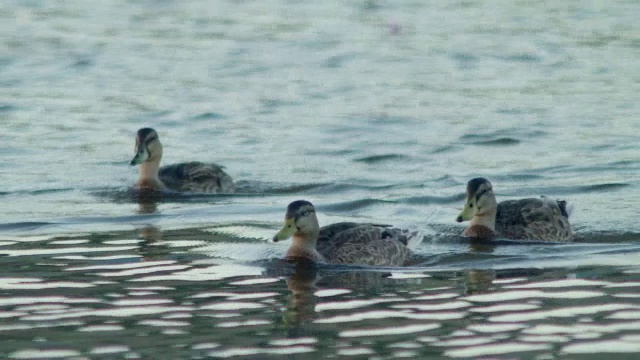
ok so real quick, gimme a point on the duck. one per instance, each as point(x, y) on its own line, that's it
point(344, 242)
point(540, 219)
point(183, 177)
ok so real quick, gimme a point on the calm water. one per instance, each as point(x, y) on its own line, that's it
point(375, 111)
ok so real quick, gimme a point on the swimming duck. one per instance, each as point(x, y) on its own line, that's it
point(345, 242)
point(184, 177)
point(524, 219)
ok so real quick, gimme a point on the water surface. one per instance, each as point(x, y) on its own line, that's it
point(375, 111)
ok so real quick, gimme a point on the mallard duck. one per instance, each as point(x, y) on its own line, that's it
point(345, 242)
point(184, 177)
point(524, 219)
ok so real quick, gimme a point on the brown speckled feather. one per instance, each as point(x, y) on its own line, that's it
point(367, 244)
point(533, 219)
point(196, 177)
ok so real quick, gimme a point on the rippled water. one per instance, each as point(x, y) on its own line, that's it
point(375, 111)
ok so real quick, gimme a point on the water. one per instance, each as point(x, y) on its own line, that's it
point(375, 111)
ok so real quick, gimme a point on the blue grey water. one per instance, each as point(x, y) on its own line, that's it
point(375, 111)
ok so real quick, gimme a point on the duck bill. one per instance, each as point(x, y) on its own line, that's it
point(140, 157)
point(467, 213)
point(287, 230)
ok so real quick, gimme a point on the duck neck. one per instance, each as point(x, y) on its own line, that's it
point(304, 245)
point(148, 175)
point(486, 218)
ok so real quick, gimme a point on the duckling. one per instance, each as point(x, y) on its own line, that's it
point(345, 242)
point(524, 219)
point(184, 177)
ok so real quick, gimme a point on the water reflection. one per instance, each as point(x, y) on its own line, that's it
point(301, 302)
point(150, 234)
point(147, 200)
point(147, 207)
point(481, 247)
point(151, 246)
point(478, 281)
point(311, 285)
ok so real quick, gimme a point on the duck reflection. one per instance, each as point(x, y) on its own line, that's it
point(306, 278)
point(478, 281)
point(147, 207)
point(481, 247)
point(150, 234)
point(151, 247)
point(298, 310)
point(301, 302)
point(147, 200)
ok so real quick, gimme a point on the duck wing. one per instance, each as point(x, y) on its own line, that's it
point(196, 177)
point(366, 244)
point(534, 219)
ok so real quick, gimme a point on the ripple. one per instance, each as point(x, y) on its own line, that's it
point(248, 351)
point(331, 292)
point(389, 314)
point(585, 328)
point(121, 266)
point(495, 349)
point(427, 200)
point(100, 328)
point(17, 300)
point(262, 188)
point(233, 324)
point(209, 116)
point(254, 281)
point(229, 306)
point(144, 270)
point(291, 342)
point(163, 323)
point(505, 307)
point(563, 312)
point(32, 326)
point(44, 354)
point(374, 159)
point(558, 284)
point(24, 284)
point(350, 304)
point(205, 274)
point(495, 328)
point(34, 252)
point(518, 295)
point(623, 345)
point(625, 315)
point(115, 312)
point(140, 302)
point(235, 296)
point(355, 351)
point(106, 350)
point(503, 141)
point(583, 189)
point(435, 307)
point(24, 226)
point(464, 341)
point(392, 330)
point(352, 205)
point(437, 296)
point(545, 339)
